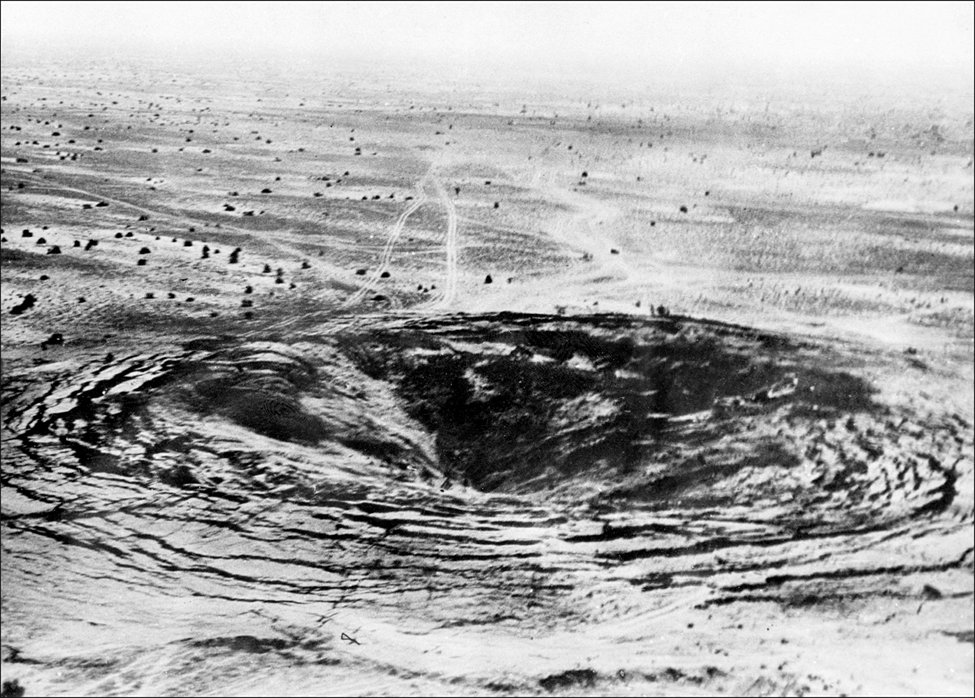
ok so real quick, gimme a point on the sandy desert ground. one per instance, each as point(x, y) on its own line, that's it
point(268, 429)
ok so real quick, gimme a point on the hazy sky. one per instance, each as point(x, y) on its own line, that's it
point(891, 36)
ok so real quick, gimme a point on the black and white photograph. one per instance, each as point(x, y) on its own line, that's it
point(487, 348)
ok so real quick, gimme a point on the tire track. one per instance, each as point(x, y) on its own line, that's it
point(394, 235)
point(450, 284)
point(55, 186)
point(448, 294)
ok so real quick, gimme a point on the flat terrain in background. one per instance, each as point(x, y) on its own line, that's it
point(334, 382)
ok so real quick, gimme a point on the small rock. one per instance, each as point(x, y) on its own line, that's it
point(26, 304)
point(55, 339)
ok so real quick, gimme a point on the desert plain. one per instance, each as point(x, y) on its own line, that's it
point(339, 381)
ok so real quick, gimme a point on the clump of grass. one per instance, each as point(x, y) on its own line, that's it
point(12, 689)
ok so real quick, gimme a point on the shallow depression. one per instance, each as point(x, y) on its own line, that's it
point(460, 469)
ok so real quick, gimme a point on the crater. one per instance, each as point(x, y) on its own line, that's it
point(528, 403)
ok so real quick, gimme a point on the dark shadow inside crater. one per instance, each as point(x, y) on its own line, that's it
point(521, 406)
